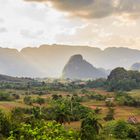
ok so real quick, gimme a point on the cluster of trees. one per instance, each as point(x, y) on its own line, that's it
point(29, 124)
point(120, 130)
point(123, 80)
point(68, 86)
point(43, 123)
point(118, 80)
point(92, 95)
point(96, 83)
point(6, 96)
point(17, 127)
point(67, 109)
point(42, 131)
point(47, 122)
point(60, 109)
point(123, 98)
point(29, 101)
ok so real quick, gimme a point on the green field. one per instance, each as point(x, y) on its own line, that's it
point(121, 112)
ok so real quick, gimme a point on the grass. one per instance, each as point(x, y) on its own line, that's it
point(135, 93)
point(103, 92)
point(75, 125)
point(8, 106)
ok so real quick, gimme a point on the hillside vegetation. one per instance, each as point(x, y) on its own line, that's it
point(59, 109)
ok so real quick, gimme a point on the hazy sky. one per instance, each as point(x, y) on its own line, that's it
point(98, 23)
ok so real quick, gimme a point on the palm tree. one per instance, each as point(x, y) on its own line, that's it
point(110, 114)
point(62, 114)
point(90, 127)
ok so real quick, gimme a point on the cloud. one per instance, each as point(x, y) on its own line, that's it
point(98, 34)
point(34, 23)
point(120, 41)
point(30, 24)
point(1, 20)
point(31, 34)
point(3, 30)
point(84, 35)
point(97, 8)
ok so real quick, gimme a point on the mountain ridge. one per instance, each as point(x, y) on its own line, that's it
point(49, 60)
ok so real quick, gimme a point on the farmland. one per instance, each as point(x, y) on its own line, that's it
point(67, 104)
point(121, 111)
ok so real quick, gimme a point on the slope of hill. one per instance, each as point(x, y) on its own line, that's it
point(14, 63)
point(78, 68)
point(5, 78)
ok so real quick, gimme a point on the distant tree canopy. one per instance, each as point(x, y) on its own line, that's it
point(123, 80)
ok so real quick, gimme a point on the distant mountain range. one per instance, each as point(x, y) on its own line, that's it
point(78, 68)
point(49, 60)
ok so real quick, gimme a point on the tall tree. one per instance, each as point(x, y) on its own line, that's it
point(90, 127)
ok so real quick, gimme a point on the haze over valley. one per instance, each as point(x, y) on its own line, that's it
point(49, 60)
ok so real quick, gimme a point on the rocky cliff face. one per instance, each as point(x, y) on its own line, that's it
point(78, 68)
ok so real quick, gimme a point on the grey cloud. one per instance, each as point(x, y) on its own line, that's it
point(97, 8)
point(1, 20)
point(3, 30)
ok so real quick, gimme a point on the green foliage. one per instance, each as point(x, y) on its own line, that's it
point(5, 125)
point(123, 80)
point(90, 127)
point(15, 96)
point(4, 96)
point(56, 97)
point(120, 130)
point(66, 110)
point(42, 131)
point(96, 83)
point(62, 113)
point(123, 98)
point(97, 97)
point(28, 100)
point(39, 100)
point(7, 96)
point(110, 114)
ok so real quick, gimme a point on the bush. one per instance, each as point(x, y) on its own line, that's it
point(4, 96)
point(5, 125)
point(39, 101)
point(42, 131)
point(120, 130)
point(28, 100)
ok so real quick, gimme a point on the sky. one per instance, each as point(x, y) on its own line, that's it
point(97, 23)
